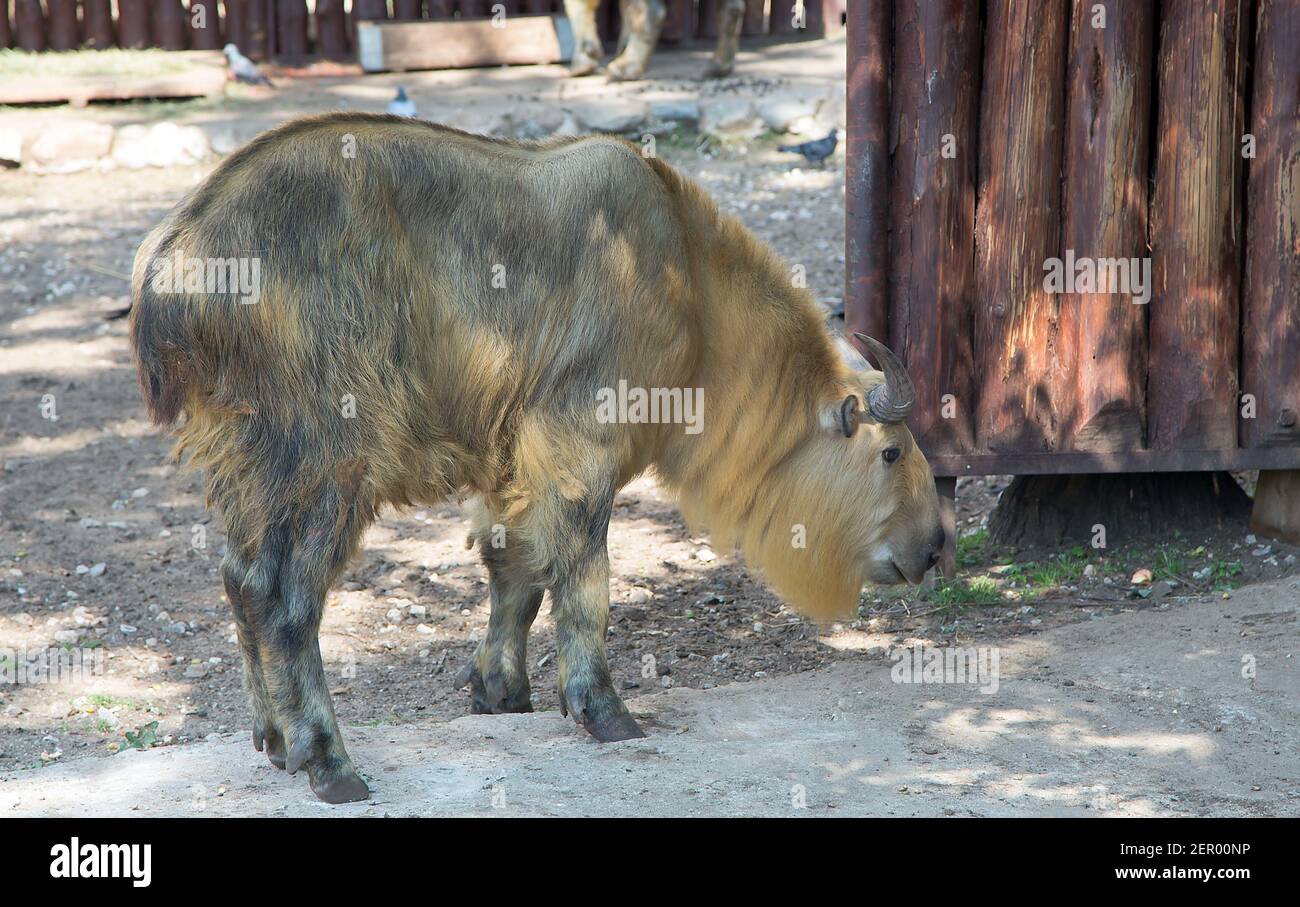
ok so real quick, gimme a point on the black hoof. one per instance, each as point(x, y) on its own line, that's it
point(340, 787)
point(498, 700)
point(609, 730)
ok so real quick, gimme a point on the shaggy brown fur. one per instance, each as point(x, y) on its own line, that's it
point(436, 315)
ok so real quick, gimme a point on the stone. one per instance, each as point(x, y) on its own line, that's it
point(686, 110)
point(171, 145)
point(780, 113)
point(72, 146)
point(730, 118)
point(131, 147)
point(615, 116)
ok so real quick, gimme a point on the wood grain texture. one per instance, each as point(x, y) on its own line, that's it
point(1271, 300)
point(1196, 226)
point(1100, 392)
point(932, 211)
point(1018, 223)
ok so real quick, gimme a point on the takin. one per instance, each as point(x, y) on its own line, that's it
point(356, 310)
point(642, 21)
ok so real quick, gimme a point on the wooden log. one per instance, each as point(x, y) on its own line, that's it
point(474, 9)
point(133, 23)
point(408, 10)
point(1017, 222)
point(255, 34)
point(755, 21)
point(204, 21)
point(291, 30)
point(1276, 513)
point(442, 9)
point(331, 29)
point(61, 24)
point(456, 44)
point(236, 23)
point(782, 20)
point(866, 211)
point(1196, 226)
point(679, 24)
point(1270, 331)
point(932, 212)
point(169, 25)
point(6, 32)
point(707, 23)
point(29, 25)
point(1100, 391)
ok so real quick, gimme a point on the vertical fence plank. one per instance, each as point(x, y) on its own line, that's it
point(61, 24)
point(236, 23)
point(97, 24)
point(707, 25)
point(1100, 394)
point(755, 21)
point(441, 9)
point(6, 33)
point(782, 18)
point(29, 24)
point(133, 23)
point(679, 23)
point(331, 29)
point(475, 9)
point(291, 30)
point(1017, 223)
point(406, 10)
point(932, 217)
point(1271, 316)
point(169, 24)
point(204, 22)
point(255, 33)
point(866, 210)
point(1195, 234)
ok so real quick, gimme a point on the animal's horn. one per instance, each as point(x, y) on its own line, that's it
point(893, 400)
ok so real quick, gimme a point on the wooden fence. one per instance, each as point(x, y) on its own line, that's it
point(986, 140)
point(292, 30)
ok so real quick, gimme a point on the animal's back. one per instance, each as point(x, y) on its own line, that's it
point(419, 289)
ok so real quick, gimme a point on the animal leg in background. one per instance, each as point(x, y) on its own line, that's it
point(277, 592)
point(587, 49)
point(498, 672)
point(643, 20)
point(730, 21)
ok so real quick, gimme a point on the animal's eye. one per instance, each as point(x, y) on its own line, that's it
point(890, 454)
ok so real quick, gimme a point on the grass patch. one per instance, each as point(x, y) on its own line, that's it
point(980, 590)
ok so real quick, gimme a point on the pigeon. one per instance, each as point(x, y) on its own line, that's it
point(817, 150)
point(401, 106)
point(242, 68)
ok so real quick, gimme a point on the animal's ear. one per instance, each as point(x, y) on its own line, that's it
point(844, 416)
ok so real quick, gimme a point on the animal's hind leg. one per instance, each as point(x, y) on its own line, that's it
point(643, 20)
point(587, 49)
point(247, 583)
point(498, 673)
point(283, 599)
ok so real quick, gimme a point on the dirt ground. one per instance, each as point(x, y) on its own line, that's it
point(105, 547)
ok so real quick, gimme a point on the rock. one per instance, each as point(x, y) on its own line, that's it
point(686, 110)
point(131, 147)
point(72, 146)
point(781, 113)
point(425, 629)
point(730, 118)
point(197, 670)
point(97, 570)
point(89, 523)
point(394, 616)
point(640, 595)
point(1160, 590)
point(171, 145)
point(222, 139)
point(568, 126)
point(418, 612)
point(68, 636)
point(705, 556)
point(1090, 571)
point(128, 630)
point(615, 116)
point(11, 147)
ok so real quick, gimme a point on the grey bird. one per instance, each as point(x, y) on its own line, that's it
point(401, 105)
point(815, 151)
point(243, 69)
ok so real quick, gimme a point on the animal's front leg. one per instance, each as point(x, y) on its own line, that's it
point(731, 20)
point(642, 22)
point(581, 609)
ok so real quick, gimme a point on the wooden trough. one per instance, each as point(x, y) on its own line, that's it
point(980, 149)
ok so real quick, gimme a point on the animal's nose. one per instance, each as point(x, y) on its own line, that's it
point(936, 546)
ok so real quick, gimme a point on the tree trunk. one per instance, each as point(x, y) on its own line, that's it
point(1047, 510)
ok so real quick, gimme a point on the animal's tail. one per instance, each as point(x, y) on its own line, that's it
point(160, 341)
